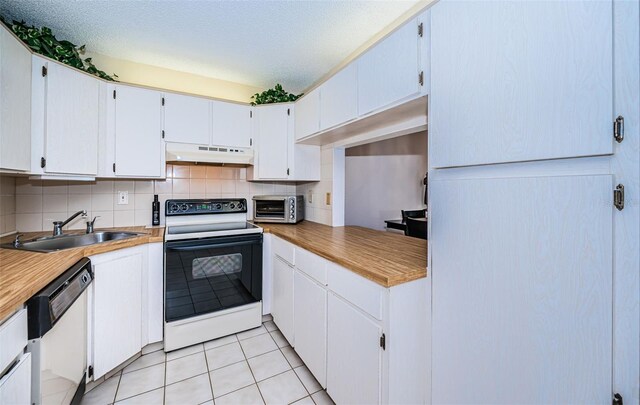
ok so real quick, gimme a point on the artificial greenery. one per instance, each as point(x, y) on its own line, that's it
point(42, 41)
point(274, 95)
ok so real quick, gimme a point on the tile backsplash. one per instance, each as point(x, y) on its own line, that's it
point(7, 204)
point(39, 203)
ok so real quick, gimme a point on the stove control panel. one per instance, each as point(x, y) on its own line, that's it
point(205, 206)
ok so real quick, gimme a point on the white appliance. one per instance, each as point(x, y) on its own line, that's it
point(212, 271)
point(183, 152)
point(57, 324)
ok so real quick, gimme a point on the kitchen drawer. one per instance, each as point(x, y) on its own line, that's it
point(13, 338)
point(285, 250)
point(15, 386)
point(312, 265)
point(364, 294)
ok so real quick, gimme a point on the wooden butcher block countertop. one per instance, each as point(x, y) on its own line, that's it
point(383, 257)
point(24, 273)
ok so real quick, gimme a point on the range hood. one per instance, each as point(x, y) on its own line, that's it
point(184, 152)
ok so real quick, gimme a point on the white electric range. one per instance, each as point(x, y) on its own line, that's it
point(212, 271)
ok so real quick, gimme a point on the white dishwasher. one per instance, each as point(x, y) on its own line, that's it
point(57, 324)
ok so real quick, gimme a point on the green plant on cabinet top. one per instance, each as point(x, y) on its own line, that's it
point(42, 41)
point(274, 95)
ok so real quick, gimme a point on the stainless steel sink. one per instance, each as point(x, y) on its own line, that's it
point(55, 243)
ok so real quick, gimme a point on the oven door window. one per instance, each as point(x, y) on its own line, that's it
point(208, 275)
point(270, 209)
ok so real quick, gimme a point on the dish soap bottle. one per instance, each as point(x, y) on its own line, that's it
point(155, 208)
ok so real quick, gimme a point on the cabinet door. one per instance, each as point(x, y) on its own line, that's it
point(15, 103)
point(186, 119)
point(15, 386)
point(273, 147)
point(117, 311)
point(71, 122)
point(282, 305)
point(138, 132)
point(339, 102)
point(310, 325)
point(389, 71)
point(353, 355)
point(518, 81)
point(231, 124)
point(307, 119)
point(522, 290)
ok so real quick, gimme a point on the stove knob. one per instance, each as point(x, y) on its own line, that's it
point(218, 206)
point(173, 207)
point(232, 205)
point(184, 207)
point(239, 206)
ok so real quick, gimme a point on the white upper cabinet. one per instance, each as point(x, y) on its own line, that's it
point(186, 119)
point(231, 124)
point(389, 72)
point(307, 119)
point(339, 98)
point(139, 148)
point(274, 131)
point(64, 120)
point(518, 81)
point(15, 103)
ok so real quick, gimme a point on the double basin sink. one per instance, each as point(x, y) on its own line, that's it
point(55, 243)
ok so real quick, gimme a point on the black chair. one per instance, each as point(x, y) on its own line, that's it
point(416, 227)
point(413, 214)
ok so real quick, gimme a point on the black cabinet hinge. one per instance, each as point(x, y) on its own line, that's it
point(618, 129)
point(163, 134)
point(617, 399)
point(287, 171)
point(44, 71)
point(250, 141)
point(288, 111)
point(163, 101)
point(114, 167)
point(618, 197)
point(420, 29)
point(114, 94)
point(383, 342)
point(421, 78)
point(250, 114)
point(90, 371)
point(43, 162)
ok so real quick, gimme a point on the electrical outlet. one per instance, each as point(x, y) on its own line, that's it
point(123, 197)
point(328, 199)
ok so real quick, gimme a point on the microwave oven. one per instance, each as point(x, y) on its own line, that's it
point(285, 209)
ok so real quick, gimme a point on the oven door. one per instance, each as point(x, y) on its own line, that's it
point(211, 274)
point(273, 210)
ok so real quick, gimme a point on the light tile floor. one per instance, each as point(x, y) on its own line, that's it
point(253, 367)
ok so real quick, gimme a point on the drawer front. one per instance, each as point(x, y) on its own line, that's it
point(13, 338)
point(356, 289)
point(312, 265)
point(15, 386)
point(285, 250)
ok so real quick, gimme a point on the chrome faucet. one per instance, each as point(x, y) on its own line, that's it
point(90, 224)
point(57, 225)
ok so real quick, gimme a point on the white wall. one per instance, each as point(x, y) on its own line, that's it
point(39, 203)
point(383, 178)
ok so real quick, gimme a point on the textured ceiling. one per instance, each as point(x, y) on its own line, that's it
point(257, 43)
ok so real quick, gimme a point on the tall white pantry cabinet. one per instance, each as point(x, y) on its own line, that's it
point(535, 272)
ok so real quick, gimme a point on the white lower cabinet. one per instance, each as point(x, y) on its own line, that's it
point(15, 386)
point(310, 324)
point(364, 343)
point(282, 305)
point(354, 355)
point(126, 309)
